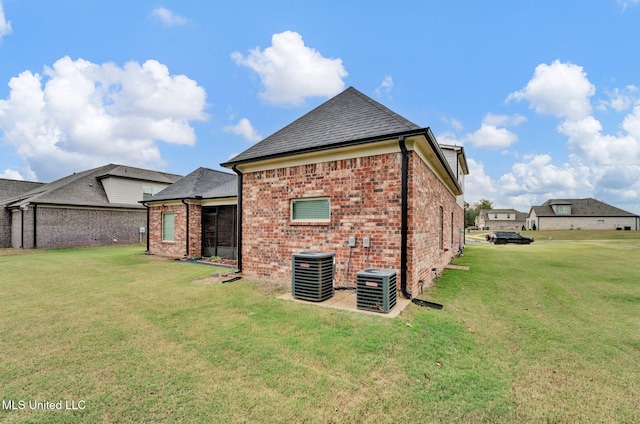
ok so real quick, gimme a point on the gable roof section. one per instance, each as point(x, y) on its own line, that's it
point(580, 207)
point(10, 189)
point(130, 172)
point(202, 183)
point(83, 188)
point(348, 117)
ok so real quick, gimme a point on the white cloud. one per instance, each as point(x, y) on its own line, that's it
point(244, 129)
point(10, 174)
point(449, 138)
point(620, 100)
point(290, 71)
point(5, 26)
point(78, 115)
point(600, 165)
point(626, 3)
point(530, 183)
point(560, 89)
point(478, 185)
point(453, 122)
point(503, 120)
point(385, 86)
point(168, 17)
point(490, 136)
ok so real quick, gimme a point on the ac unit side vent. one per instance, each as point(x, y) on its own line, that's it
point(312, 276)
point(376, 290)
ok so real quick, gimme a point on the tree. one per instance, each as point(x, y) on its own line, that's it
point(471, 213)
point(483, 204)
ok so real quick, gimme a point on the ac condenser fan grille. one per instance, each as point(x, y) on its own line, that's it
point(376, 290)
point(312, 276)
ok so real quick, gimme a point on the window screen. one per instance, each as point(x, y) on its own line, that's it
point(168, 226)
point(310, 210)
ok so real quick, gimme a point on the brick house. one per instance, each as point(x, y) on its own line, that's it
point(501, 219)
point(350, 168)
point(9, 190)
point(577, 214)
point(196, 215)
point(89, 208)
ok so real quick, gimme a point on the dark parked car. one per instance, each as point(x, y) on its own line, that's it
point(504, 237)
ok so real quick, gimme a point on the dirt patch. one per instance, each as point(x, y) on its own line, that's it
point(216, 279)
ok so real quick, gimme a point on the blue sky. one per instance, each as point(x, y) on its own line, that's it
point(543, 95)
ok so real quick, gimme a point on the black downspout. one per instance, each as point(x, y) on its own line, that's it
point(35, 228)
point(239, 218)
point(187, 232)
point(148, 219)
point(404, 217)
point(21, 228)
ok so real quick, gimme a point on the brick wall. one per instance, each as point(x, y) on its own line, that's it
point(178, 247)
point(585, 223)
point(365, 200)
point(435, 224)
point(5, 227)
point(66, 227)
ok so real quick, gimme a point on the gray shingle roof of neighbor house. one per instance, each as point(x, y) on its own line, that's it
point(518, 215)
point(10, 189)
point(202, 183)
point(84, 189)
point(139, 174)
point(348, 117)
point(580, 207)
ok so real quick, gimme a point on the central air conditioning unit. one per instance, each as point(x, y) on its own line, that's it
point(376, 290)
point(312, 276)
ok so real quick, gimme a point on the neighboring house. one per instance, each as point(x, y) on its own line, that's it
point(95, 207)
point(350, 168)
point(580, 214)
point(10, 189)
point(501, 219)
point(196, 216)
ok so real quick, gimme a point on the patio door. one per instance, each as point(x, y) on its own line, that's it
point(219, 231)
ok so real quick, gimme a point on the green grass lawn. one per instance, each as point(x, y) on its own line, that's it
point(548, 332)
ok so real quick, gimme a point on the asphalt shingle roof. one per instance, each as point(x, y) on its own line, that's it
point(84, 189)
point(203, 182)
point(10, 189)
point(349, 116)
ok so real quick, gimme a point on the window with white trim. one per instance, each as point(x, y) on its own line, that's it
point(147, 192)
point(310, 210)
point(168, 226)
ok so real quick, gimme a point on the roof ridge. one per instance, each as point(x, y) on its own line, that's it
point(399, 118)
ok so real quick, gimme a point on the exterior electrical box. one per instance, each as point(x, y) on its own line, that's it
point(312, 276)
point(376, 290)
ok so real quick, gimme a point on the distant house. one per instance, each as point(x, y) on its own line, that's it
point(197, 215)
point(501, 219)
point(355, 179)
point(10, 189)
point(580, 214)
point(95, 207)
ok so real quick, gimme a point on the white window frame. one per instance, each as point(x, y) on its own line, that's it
point(147, 191)
point(310, 199)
